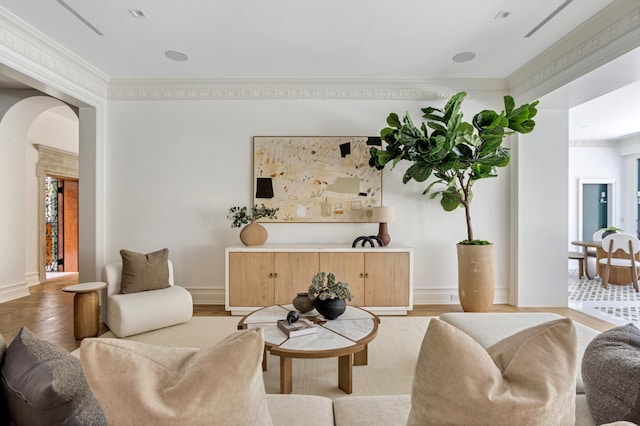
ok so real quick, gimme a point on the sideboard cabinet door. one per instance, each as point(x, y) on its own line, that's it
point(251, 279)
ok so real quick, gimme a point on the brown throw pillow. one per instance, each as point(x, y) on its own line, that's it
point(137, 383)
point(527, 378)
point(141, 272)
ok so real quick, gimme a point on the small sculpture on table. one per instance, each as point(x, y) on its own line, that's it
point(372, 239)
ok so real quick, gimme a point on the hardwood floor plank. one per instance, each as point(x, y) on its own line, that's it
point(48, 312)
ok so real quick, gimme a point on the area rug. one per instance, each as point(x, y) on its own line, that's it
point(616, 304)
point(591, 290)
point(392, 356)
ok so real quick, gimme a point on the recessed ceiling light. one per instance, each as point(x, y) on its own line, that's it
point(137, 13)
point(464, 57)
point(174, 55)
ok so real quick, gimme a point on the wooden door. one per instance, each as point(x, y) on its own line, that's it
point(294, 272)
point(386, 279)
point(251, 279)
point(68, 225)
point(349, 268)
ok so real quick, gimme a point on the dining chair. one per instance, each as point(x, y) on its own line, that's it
point(631, 246)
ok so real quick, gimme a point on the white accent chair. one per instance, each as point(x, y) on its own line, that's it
point(133, 313)
point(631, 246)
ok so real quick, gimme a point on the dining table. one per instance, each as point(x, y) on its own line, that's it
point(616, 275)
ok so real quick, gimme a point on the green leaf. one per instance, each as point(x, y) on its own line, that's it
point(449, 201)
point(394, 121)
point(509, 104)
point(417, 172)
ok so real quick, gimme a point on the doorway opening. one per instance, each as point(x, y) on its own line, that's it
point(61, 225)
point(58, 230)
point(596, 204)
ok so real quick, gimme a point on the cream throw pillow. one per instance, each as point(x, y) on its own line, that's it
point(525, 379)
point(137, 383)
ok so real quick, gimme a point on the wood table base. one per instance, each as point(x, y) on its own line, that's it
point(86, 309)
point(345, 370)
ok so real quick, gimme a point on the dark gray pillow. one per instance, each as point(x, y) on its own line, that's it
point(5, 418)
point(142, 272)
point(45, 385)
point(611, 375)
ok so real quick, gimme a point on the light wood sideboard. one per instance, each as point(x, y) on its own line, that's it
point(380, 278)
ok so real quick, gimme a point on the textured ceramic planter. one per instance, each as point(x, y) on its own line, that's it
point(330, 308)
point(476, 277)
point(253, 234)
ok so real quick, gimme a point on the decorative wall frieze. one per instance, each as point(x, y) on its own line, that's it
point(22, 40)
point(573, 49)
point(299, 89)
point(608, 143)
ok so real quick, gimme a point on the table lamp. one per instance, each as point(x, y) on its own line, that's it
point(383, 215)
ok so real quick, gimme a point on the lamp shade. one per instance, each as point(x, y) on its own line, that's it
point(383, 214)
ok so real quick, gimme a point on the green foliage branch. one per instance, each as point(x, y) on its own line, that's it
point(240, 216)
point(324, 286)
point(457, 153)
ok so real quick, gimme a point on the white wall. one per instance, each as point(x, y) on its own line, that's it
point(173, 169)
point(541, 227)
point(630, 152)
point(593, 160)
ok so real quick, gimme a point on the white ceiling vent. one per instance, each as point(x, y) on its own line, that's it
point(548, 18)
point(80, 17)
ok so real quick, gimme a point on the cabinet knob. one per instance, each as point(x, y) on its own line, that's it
point(271, 275)
point(366, 275)
point(275, 275)
point(361, 275)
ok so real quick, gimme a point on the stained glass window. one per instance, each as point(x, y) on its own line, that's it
point(51, 224)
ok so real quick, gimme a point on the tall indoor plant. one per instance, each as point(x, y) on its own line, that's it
point(457, 154)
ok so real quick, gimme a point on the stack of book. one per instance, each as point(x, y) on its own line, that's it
point(298, 328)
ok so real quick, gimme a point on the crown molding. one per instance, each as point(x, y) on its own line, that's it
point(609, 34)
point(303, 89)
point(609, 143)
point(32, 53)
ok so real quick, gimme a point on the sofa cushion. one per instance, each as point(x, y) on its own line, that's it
point(45, 385)
point(611, 372)
point(457, 381)
point(489, 327)
point(137, 383)
point(307, 410)
point(383, 410)
point(141, 272)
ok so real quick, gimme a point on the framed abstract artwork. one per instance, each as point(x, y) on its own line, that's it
point(316, 178)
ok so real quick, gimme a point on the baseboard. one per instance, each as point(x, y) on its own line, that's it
point(449, 296)
point(32, 278)
point(13, 291)
point(207, 296)
point(421, 296)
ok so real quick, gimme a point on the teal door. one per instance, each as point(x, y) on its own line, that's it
point(594, 208)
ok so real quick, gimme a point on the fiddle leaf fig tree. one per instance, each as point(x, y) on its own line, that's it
point(457, 153)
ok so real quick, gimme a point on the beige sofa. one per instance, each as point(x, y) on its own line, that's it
point(388, 410)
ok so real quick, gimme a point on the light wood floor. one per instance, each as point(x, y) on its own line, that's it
point(48, 312)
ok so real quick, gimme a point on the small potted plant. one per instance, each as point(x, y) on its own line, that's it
point(329, 296)
point(253, 234)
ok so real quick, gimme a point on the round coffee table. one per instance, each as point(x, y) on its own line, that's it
point(345, 338)
point(86, 309)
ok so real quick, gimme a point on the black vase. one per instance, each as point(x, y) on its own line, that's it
point(330, 308)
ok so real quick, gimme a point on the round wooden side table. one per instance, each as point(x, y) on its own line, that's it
point(86, 308)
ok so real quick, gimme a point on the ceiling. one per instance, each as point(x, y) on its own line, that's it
point(280, 39)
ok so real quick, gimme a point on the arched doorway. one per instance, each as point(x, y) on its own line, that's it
point(19, 252)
